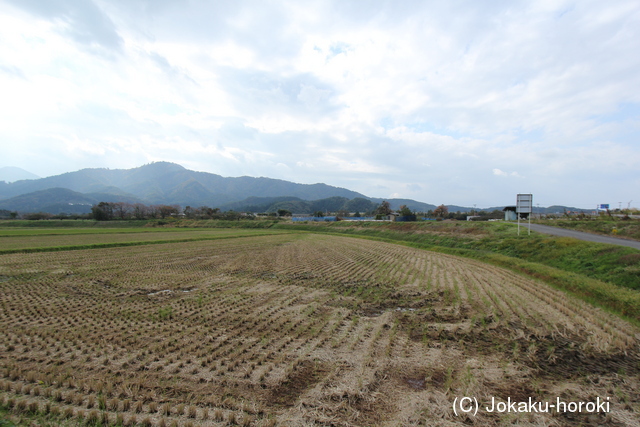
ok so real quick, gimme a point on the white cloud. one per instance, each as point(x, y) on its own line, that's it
point(499, 172)
point(416, 98)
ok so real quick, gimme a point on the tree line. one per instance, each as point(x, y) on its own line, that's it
point(440, 212)
point(106, 211)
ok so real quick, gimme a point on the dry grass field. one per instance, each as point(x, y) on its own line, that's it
point(59, 239)
point(299, 330)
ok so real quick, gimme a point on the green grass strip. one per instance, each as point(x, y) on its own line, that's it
point(138, 243)
point(30, 232)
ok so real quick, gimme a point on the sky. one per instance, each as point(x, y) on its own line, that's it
point(455, 102)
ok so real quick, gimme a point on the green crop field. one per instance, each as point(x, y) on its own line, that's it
point(295, 329)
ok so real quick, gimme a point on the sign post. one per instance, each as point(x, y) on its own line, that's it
point(602, 207)
point(524, 204)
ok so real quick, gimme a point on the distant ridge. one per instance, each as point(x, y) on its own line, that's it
point(159, 183)
point(172, 184)
point(12, 174)
point(60, 200)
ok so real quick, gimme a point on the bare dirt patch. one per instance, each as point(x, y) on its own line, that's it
point(305, 375)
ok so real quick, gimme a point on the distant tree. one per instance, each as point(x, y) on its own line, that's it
point(13, 215)
point(384, 208)
point(189, 212)
point(153, 211)
point(231, 215)
point(405, 211)
point(211, 213)
point(168, 210)
point(459, 215)
point(319, 214)
point(203, 212)
point(284, 212)
point(122, 210)
point(140, 211)
point(37, 216)
point(356, 214)
point(441, 211)
point(103, 211)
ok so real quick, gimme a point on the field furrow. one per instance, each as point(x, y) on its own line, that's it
point(295, 329)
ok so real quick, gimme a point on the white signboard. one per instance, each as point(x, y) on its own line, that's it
point(524, 203)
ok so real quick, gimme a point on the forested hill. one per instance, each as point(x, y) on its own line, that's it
point(164, 183)
point(169, 183)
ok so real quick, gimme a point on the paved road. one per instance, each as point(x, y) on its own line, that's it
point(556, 231)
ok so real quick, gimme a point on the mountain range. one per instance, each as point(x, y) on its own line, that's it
point(169, 183)
point(12, 173)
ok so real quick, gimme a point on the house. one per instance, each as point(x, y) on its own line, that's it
point(510, 213)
